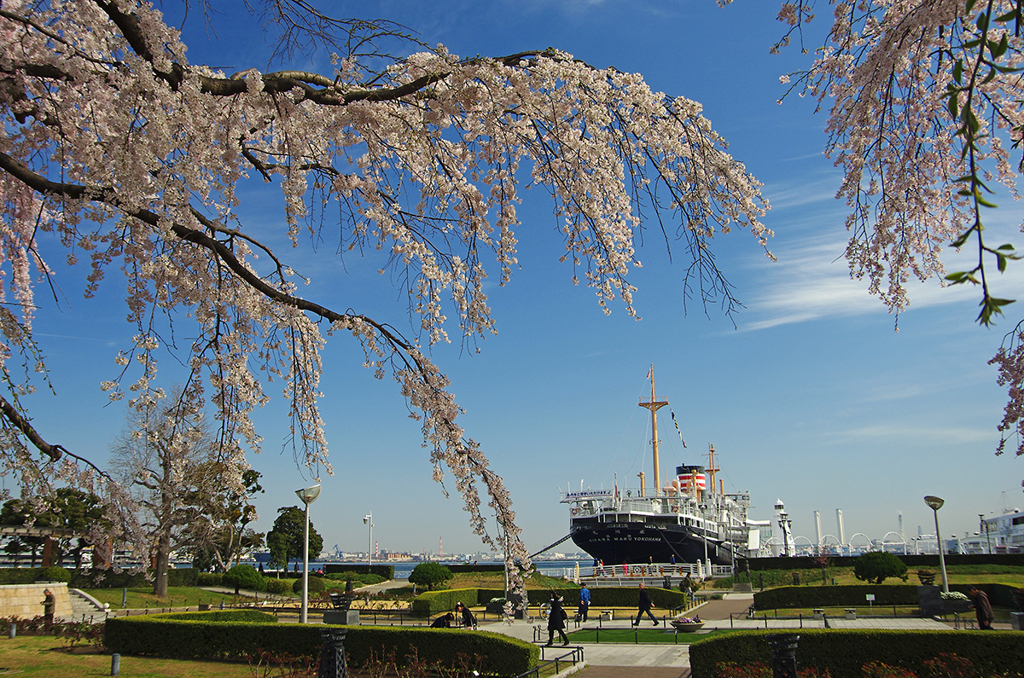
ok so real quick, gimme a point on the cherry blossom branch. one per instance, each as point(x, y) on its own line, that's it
point(451, 448)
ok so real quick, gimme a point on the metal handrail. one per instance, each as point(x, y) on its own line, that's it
point(576, 655)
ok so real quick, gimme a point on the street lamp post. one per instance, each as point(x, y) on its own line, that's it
point(782, 524)
point(368, 521)
point(935, 503)
point(704, 516)
point(308, 495)
point(984, 526)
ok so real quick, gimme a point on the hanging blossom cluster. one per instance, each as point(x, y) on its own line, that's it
point(116, 148)
point(925, 110)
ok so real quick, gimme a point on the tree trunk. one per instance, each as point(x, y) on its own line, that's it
point(163, 559)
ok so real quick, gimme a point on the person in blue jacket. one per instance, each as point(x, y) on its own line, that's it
point(584, 602)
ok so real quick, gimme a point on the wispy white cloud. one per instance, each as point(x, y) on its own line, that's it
point(947, 436)
point(811, 279)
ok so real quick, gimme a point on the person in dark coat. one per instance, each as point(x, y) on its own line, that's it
point(556, 621)
point(645, 605)
point(49, 603)
point(982, 608)
point(444, 621)
point(468, 620)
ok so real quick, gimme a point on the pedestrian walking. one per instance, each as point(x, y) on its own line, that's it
point(49, 602)
point(982, 608)
point(556, 621)
point(645, 604)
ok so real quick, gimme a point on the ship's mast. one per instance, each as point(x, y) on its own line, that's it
point(711, 469)
point(654, 405)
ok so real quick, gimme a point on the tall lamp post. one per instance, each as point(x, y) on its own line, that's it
point(984, 526)
point(368, 521)
point(935, 503)
point(308, 495)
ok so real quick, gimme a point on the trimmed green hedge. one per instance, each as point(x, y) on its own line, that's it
point(844, 651)
point(226, 616)
point(30, 575)
point(786, 597)
point(835, 596)
point(386, 571)
point(108, 579)
point(914, 562)
point(197, 635)
point(433, 602)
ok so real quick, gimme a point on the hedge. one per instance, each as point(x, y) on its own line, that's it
point(386, 571)
point(844, 651)
point(93, 579)
point(850, 596)
point(108, 579)
point(434, 602)
point(834, 596)
point(912, 561)
point(227, 616)
point(197, 635)
point(30, 575)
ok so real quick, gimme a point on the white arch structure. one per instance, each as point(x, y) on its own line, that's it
point(895, 543)
point(807, 550)
point(831, 544)
point(866, 538)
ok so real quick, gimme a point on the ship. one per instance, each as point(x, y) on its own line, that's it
point(688, 520)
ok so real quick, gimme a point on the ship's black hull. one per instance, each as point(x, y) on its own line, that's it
point(643, 543)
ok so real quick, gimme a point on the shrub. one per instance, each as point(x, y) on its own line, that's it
point(429, 575)
point(171, 635)
point(278, 586)
point(244, 577)
point(877, 566)
point(53, 573)
point(315, 585)
point(109, 579)
point(843, 652)
point(364, 578)
point(833, 596)
point(209, 578)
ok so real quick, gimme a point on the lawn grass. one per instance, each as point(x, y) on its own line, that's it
point(496, 580)
point(639, 635)
point(46, 657)
point(177, 596)
point(1012, 575)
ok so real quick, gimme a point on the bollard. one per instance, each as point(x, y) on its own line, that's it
point(12, 631)
point(783, 647)
point(115, 664)
point(332, 654)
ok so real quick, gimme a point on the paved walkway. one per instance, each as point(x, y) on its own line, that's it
point(617, 660)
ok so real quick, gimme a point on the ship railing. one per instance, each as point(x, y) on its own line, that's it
point(657, 570)
point(656, 579)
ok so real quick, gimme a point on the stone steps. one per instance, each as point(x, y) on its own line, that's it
point(85, 607)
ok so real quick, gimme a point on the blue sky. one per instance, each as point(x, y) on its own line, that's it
point(811, 398)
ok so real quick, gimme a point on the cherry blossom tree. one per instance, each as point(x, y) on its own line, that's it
point(119, 150)
point(162, 458)
point(925, 119)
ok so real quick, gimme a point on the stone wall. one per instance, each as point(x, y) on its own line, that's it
point(26, 600)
